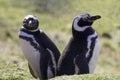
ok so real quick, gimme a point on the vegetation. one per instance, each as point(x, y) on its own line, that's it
point(55, 18)
point(89, 77)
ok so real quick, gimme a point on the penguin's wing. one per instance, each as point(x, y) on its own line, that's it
point(47, 42)
point(81, 64)
point(31, 71)
point(52, 65)
point(44, 61)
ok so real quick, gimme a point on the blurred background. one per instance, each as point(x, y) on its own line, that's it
point(56, 18)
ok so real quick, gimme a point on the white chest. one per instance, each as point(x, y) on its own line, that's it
point(31, 54)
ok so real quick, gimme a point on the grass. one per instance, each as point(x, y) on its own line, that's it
point(89, 77)
point(56, 19)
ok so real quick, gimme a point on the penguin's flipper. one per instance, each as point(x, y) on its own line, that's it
point(81, 64)
point(44, 61)
point(50, 71)
point(48, 43)
point(52, 65)
point(31, 71)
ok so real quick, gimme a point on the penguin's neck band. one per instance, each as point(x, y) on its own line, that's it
point(77, 27)
point(31, 30)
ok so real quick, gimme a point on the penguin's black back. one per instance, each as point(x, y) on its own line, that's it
point(72, 49)
point(76, 46)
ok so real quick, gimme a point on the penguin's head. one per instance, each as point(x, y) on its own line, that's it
point(86, 19)
point(30, 22)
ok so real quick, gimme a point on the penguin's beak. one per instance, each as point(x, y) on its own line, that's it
point(93, 18)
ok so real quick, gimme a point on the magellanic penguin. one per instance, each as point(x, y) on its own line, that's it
point(81, 53)
point(41, 53)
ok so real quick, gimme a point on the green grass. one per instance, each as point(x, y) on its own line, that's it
point(55, 18)
point(89, 77)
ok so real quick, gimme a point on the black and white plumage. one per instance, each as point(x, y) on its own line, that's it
point(81, 53)
point(41, 53)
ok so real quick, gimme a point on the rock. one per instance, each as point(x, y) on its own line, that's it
point(106, 35)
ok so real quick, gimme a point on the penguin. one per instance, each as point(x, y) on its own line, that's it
point(82, 51)
point(40, 51)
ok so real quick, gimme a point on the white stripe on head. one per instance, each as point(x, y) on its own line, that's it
point(30, 16)
point(76, 26)
point(31, 30)
point(34, 17)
